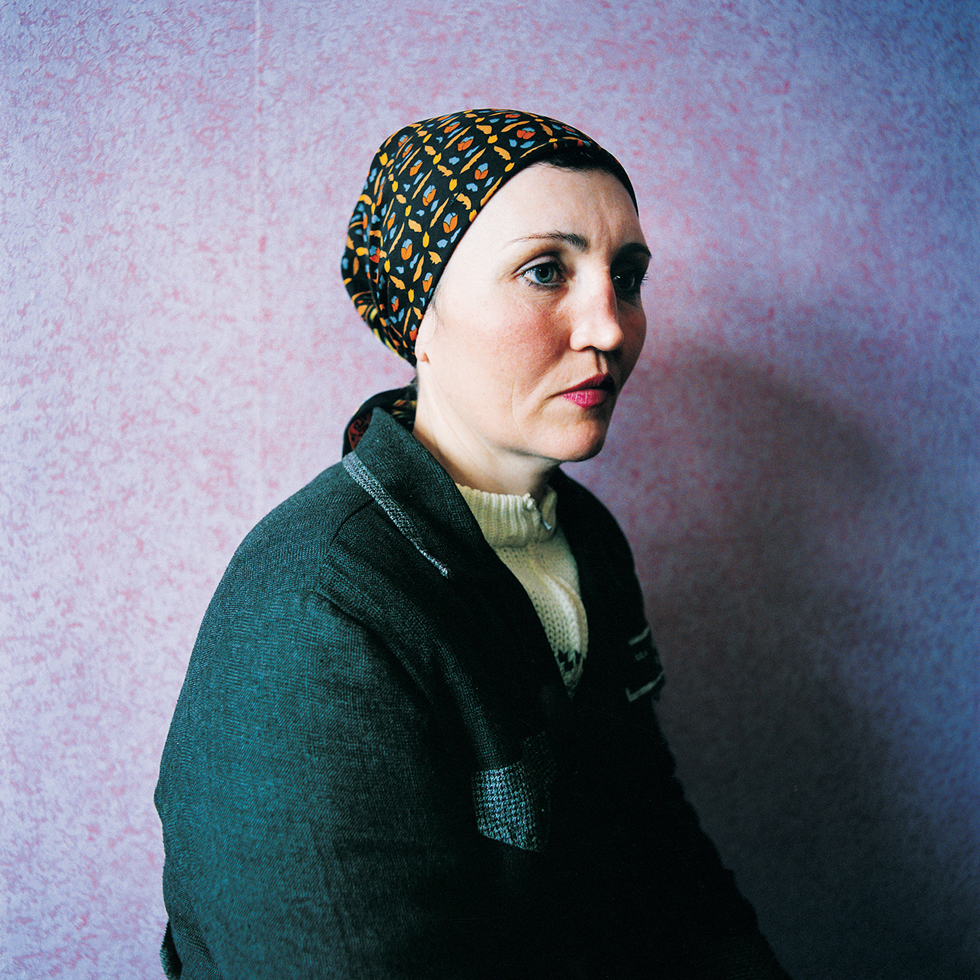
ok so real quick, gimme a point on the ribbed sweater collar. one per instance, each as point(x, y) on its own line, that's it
point(510, 521)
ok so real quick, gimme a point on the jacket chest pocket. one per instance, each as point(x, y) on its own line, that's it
point(513, 803)
point(644, 674)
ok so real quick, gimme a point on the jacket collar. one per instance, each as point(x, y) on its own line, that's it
point(403, 477)
point(419, 496)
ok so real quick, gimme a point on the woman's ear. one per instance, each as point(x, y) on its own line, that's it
point(424, 335)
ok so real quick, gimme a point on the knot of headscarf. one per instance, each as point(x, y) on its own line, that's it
point(426, 185)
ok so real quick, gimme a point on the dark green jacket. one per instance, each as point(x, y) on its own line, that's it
point(374, 770)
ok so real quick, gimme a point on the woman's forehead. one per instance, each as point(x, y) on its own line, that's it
point(548, 202)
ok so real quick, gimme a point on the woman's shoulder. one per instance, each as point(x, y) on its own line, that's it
point(385, 512)
point(309, 517)
point(583, 516)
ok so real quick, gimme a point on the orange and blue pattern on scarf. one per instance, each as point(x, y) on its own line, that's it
point(426, 185)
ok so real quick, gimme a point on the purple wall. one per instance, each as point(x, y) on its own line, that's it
point(796, 461)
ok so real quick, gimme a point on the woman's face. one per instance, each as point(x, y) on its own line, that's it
point(536, 325)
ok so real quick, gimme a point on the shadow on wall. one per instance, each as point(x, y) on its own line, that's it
point(808, 587)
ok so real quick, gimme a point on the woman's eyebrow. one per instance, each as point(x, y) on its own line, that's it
point(636, 248)
point(570, 238)
point(580, 242)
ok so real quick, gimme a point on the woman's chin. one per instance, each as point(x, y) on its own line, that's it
point(583, 447)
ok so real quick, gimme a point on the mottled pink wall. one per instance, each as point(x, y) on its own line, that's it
point(796, 463)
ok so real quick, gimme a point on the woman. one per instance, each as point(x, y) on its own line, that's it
point(416, 737)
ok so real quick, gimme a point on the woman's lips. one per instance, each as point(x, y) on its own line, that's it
point(587, 397)
point(595, 391)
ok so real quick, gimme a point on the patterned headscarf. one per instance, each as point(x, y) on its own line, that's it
point(426, 185)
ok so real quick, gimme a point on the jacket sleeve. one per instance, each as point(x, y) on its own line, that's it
point(309, 805)
point(695, 912)
point(673, 910)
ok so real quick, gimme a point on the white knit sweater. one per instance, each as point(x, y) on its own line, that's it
point(530, 543)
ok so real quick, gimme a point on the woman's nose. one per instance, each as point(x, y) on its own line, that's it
point(597, 318)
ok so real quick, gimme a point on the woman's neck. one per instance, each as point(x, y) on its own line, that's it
point(471, 464)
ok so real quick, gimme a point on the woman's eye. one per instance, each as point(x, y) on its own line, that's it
point(628, 281)
point(544, 274)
